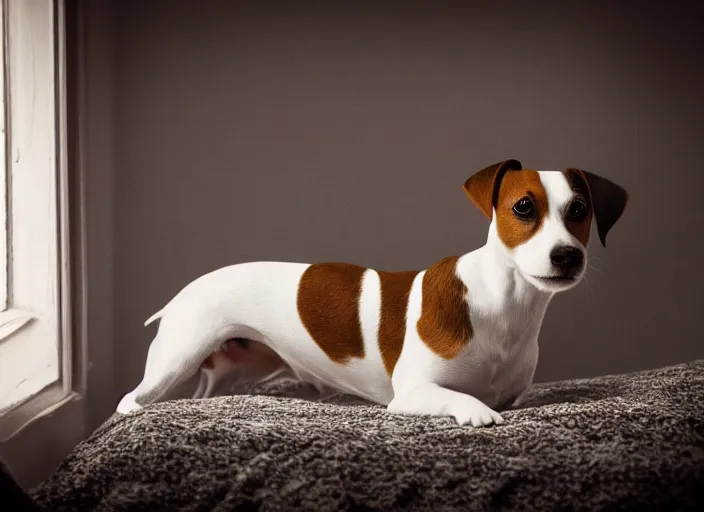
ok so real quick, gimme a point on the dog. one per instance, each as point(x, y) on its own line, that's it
point(459, 339)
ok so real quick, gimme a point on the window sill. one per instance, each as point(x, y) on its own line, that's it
point(29, 358)
point(43, 403)
point(12, 320)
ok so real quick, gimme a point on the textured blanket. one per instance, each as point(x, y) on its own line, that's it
point(632, 441)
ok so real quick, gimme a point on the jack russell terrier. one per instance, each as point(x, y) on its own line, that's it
point(458, 339)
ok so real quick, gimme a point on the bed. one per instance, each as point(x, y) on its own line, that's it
point(633, 441)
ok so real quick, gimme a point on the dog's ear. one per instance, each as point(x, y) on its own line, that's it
point(608, 201)
point(483, 186)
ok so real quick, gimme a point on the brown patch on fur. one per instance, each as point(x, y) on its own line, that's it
point(580, 230)
point(444, 324)
point(395, 289)
point(328, 305)
point(516, 185)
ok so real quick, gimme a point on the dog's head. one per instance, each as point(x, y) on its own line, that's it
point(542, 219)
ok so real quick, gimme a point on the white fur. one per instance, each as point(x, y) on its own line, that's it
point(257, 301)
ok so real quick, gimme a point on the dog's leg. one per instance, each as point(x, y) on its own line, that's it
point(216, 367)
point(211, 378)
point(212, 369)
point(255, 362)
point(128, 403)
point(156, 383)
point(164, 370)
point(202, 384)
point(252, 361)
point(431, 399)
point(174, 356)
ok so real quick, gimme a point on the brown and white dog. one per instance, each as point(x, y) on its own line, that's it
point(459, 339)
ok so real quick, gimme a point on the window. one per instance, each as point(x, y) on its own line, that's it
point(35, 352)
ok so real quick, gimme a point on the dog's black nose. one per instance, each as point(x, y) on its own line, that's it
point(567, 257)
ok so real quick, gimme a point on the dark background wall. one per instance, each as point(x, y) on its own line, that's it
point(306, 132)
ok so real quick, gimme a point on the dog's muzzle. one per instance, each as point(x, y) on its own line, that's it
point(567, 260)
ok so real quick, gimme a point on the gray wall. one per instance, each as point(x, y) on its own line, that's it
point(248, 132)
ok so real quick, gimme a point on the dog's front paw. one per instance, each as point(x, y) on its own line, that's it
point(471, 411)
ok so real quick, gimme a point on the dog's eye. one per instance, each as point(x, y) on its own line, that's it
point(523, 208)
point(577, 211)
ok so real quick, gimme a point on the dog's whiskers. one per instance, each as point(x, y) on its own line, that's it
point(591, 266)
point(589, 286)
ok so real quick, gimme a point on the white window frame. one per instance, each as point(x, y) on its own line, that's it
point(35, 323)
point(45, 434)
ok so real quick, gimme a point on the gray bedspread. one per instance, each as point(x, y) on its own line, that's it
point(631, 442)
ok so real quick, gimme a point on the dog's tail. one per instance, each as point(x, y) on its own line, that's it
point(155, 316)
point(160, 313)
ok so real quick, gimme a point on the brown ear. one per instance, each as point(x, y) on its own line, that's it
point(608, 201)
point(483, 186)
